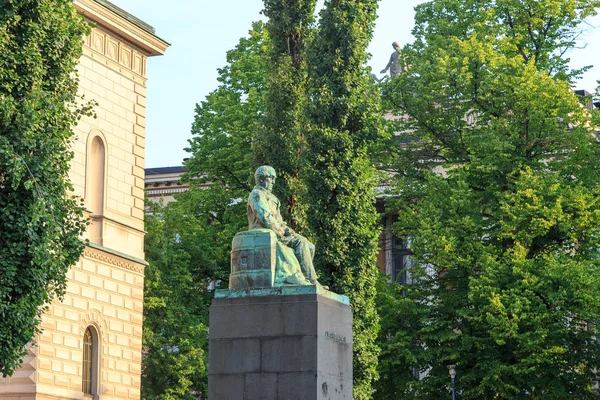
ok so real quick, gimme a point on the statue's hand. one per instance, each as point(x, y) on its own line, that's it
point(383, 71)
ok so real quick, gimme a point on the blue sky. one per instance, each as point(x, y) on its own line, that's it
point(201, 31)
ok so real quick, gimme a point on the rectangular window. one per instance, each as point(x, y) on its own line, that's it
point(401, 261)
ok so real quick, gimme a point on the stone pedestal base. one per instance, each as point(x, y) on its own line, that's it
point(288, 343)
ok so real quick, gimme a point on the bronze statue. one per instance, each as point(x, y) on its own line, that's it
point(270, 253)
point(263, 212)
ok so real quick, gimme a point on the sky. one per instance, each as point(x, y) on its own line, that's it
point(202, 31)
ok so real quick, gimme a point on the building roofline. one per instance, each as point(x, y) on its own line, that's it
point(164, 170)
point(124, 24)
point(129, 17)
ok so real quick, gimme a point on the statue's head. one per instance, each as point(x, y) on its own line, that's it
point(265, 176)
point(396, 46)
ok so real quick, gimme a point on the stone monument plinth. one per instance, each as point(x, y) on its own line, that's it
point(277, 333)
point(288, 342)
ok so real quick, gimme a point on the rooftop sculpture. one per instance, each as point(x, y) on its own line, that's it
point(395, 64)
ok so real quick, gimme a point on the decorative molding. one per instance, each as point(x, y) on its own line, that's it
point(125, 56)
point(112, 49)
point(100, 255)
point(98, 41)
point(161, 192)
point(149, 43)
point(117, 50)
point(94, 318)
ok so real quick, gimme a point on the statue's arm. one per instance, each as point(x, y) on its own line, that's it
point(389, 64)
point(266, 217)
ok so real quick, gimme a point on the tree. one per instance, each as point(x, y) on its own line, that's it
point(226, 122)
point(189, 241)
point(281, 142)
point(40, 223)
point(498, 174)
point(176, 301)
point(400, 317)
point(237, 114)
point(344, 119)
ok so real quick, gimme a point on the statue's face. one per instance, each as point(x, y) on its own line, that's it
point(267, 182)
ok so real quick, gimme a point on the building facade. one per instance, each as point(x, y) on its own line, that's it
point(91, 345)
point(163, 183)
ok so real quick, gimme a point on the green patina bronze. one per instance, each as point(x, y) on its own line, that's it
point(281, 291)
point(270, 254)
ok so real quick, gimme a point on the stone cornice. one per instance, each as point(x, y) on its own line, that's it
point(111, 257)
point(115, 52)
point(151, 44)
point(162, 192)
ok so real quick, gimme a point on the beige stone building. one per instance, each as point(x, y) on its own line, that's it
point(91, 342)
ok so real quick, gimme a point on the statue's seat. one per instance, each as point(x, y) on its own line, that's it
point(253, 259)
point(259, 260)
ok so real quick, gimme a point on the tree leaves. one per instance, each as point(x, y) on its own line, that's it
point(498, 177)
point(40, 224)
point(343, 121)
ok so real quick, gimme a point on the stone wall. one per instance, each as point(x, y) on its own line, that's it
point(120, 121)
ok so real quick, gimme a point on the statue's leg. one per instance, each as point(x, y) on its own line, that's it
point(288, 270)
point(304, 251)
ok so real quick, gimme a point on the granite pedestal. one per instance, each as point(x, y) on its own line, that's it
point(287, 343)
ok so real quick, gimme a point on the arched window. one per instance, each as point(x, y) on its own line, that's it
point(96, 178)
point(90, 362)
point(95, 190)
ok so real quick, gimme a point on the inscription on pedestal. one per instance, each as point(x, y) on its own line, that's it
point(336, 337)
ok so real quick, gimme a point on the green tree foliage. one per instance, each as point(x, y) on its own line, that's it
point(189, 241)
point(238, 113)
point(498, 172)
point(226, 122)
point(344, 119)
point(400, 317)
point(182, 264)
point(280, 144)
point(40, 224)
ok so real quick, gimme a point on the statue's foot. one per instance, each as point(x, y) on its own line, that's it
point(296, 280)
point(316, 283)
